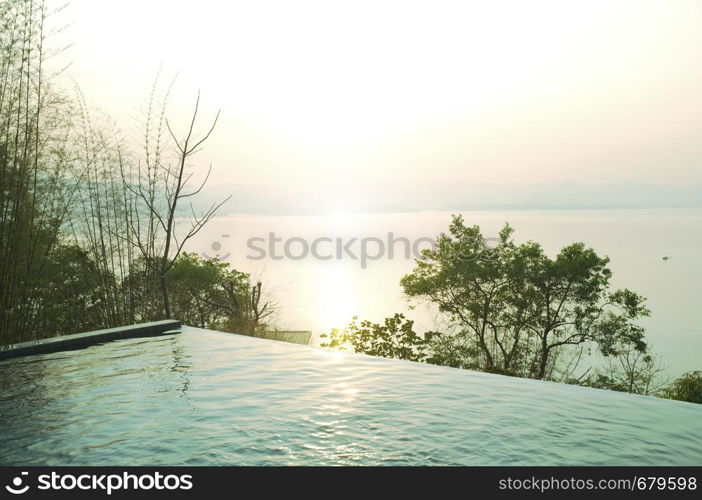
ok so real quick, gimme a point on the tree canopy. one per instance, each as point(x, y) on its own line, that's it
point(511, 308)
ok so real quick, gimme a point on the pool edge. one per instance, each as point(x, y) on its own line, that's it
point(86, 339)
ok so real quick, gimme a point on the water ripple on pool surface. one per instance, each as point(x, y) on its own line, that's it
point(206, 398)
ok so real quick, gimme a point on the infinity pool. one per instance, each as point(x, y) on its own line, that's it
point(207, 398)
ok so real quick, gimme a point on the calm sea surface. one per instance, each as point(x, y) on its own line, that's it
point(319, 293)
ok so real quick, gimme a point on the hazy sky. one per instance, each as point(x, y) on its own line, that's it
point(435, 92)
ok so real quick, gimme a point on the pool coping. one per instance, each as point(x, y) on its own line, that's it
point(86, 339)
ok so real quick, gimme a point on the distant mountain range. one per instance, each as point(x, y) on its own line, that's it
point(408, 197)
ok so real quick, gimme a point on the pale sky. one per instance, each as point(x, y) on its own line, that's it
point(417, 92)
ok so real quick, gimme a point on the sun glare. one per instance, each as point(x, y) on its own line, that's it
point(339, 302)
point(391, 90)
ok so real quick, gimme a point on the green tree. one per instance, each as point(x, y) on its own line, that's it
point(573, 305)
point(483, 290)
point(686, 388)
point(394, 338)
point(198, 290)
point(513, 308)
point(468, 281)
point(71, 292)
point(210, 294)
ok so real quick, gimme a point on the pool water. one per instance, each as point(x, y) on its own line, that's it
point(208, 398)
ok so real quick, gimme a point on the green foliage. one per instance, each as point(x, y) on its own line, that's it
point(515, 308)
point(394, 338)
point(456, 350)
point(203, 292)
point(141, 287)
point(573, 305)
point(195, 286)
point(71, 297)
point(468, 281)
point(686, 388)
point(512, 309)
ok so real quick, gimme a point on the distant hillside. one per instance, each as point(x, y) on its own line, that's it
point(408, 197)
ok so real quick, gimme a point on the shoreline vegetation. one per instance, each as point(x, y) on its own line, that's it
point(89, 240)
point(511, 309)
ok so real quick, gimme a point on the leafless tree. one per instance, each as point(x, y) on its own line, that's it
point(636, 372)
point(161, 189)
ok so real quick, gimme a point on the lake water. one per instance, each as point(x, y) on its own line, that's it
point(319, 293)
point(206, 398)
